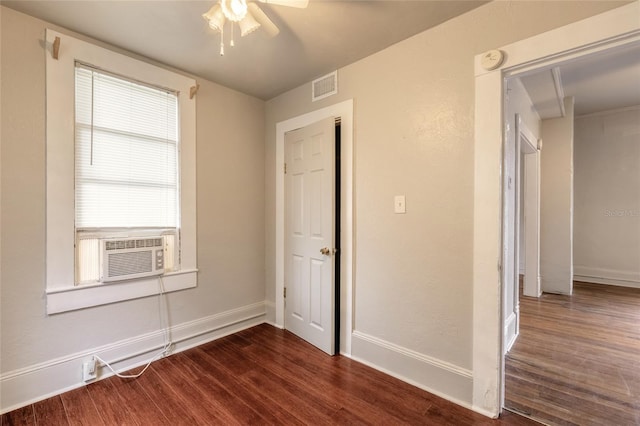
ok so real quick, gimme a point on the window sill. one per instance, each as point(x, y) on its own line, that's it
point(79, 297)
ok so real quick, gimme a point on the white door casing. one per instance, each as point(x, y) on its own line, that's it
point(528, 145)
point(310, 233)
point(521, 155)
point(509, 236)
point(344, 110)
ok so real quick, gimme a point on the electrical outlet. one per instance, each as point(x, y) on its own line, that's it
point(90, 370)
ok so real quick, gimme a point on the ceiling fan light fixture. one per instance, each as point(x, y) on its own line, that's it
point(215, 17)
point(215, 25)
point(246, 14)
point(234, 10)
point(248, 24)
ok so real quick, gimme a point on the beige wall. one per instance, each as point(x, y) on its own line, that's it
point(556, 203)
point(607, 197)
point(230, 200)
point(413, 119)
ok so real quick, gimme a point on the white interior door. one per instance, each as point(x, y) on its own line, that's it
point(309, 233)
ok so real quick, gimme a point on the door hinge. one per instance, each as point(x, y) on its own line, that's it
point(285, 168)
point(285, 292)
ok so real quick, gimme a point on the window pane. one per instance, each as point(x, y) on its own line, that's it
point(126, 153)
point(124, 158)
point(111, 205)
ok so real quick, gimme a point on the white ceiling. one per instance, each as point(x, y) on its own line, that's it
point(323, 37)
point(604, 81)
point(598, 82)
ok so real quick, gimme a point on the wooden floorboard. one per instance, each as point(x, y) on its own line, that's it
point(50, 411)
point(259, 376)
point(577, 358)
point(80, 409)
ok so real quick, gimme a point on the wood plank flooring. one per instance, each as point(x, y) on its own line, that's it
point(577, 359)
point(262, 375)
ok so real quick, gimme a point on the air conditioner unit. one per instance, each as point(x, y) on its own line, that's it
point(128, 258)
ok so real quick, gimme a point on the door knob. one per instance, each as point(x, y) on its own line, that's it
point(327, 251)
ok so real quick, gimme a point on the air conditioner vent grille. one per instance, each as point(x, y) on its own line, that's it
point(130, 258)
point(132, 243)
point(130, 263)
point(324, 86)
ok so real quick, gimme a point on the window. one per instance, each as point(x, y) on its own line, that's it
point(120, 164)
point(126, 165)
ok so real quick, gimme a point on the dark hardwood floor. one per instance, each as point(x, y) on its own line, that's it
point(262, 375)
point(577, 359)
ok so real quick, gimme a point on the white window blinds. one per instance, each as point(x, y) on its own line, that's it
point(126, 153)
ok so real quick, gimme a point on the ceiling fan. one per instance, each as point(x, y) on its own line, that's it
point(247, 15)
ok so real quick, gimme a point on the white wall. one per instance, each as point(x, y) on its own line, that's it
point(414, 132)
point(43, 354)
point(607, 197)
point(556, 203)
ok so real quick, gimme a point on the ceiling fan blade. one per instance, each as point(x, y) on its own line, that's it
point(268, 26)
point(292, 3)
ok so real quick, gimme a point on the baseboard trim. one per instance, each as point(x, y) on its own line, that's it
point(435, 376)
point(606, 276)
point(606, 281)
point(270, 309)
point(510, 332)
point(34, 383)
point(485, 412)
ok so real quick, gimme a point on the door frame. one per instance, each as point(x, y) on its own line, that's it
point(510, 227)
point(608, 30)
point(529, 170)
point(527, 177)
point(344, 110)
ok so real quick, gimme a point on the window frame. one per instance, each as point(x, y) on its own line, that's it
point(61, 292)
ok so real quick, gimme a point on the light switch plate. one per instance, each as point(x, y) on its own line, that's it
point(399, 204)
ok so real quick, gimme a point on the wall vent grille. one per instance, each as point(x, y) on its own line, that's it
point(324, 86)
point(129, 258)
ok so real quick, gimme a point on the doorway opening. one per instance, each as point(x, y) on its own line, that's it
point(568, 364)
point(345, 269)
point(616, 28)
point(337, 220)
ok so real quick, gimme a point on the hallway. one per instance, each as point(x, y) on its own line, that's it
point(577, 358)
